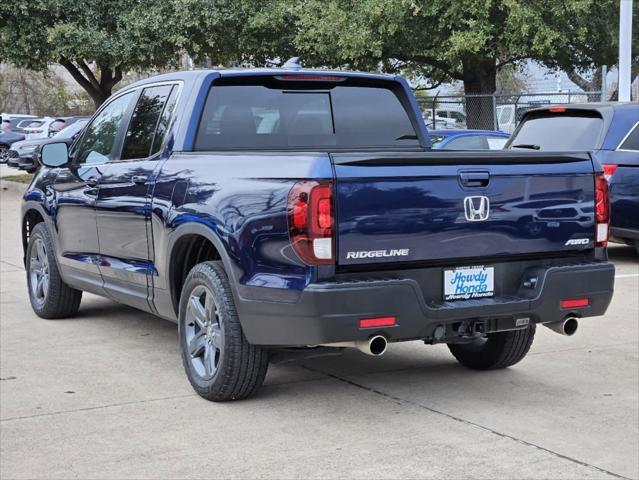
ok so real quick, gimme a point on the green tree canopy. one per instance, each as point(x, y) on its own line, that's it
point(469, 40)
point(97, 41)
point(441, 40)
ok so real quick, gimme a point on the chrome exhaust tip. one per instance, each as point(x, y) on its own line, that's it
point(374, 346)
point(567, 326)
point(377, 345)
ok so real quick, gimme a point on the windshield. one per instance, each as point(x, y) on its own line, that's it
point(71, 130)
point(572, 130)
point(30, 123)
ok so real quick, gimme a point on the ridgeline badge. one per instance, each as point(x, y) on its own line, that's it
point(403, 252)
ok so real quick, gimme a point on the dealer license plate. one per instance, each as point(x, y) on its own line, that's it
point(464, 283)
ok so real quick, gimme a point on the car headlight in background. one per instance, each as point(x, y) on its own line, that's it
point(28, 148)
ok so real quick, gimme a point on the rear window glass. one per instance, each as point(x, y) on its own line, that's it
point(467, 142)
point(496, 143)
point(559, 132)
point(435, 139)
point(280, 114)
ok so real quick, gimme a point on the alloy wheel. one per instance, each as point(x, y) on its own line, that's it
point(204, 333)
point(39, 271)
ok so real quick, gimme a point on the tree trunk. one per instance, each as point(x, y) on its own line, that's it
point(480, 78)
point(24, 87)
point(587, 86)
point(98, 90)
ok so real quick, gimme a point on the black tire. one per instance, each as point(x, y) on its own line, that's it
point(496, 350)
point(59, 300)
point(637, 245)
point(240, 367)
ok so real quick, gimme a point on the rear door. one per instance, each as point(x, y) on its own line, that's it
point(123, 204)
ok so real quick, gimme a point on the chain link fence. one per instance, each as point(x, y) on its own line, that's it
point(491, 112)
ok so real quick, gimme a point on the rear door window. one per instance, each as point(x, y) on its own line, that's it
point(569, 131)
point(165, 120)
point(267, 113)
point(144, 122)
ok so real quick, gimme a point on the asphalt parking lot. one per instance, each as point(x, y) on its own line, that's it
point(103, 395)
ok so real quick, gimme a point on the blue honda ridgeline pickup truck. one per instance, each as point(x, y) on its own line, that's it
point(275, 211)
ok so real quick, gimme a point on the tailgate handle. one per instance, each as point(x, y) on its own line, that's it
point(474, 179)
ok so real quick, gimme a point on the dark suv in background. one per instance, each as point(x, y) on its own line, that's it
point(610, 131)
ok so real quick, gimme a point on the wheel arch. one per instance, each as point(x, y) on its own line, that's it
point(32, 215)
point(190, 244)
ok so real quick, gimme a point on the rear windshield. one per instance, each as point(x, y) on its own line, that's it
point(573, 130)
point(272, 114)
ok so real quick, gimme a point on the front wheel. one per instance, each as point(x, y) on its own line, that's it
point(495, 350)
point(50, 297)
point(4, 154)
point(219, 362)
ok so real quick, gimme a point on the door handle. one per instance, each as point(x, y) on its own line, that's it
point(474, 179)
point(140, 179)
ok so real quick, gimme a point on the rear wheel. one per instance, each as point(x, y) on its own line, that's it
point(50, 297)
point(219, 362)
point(495, 350)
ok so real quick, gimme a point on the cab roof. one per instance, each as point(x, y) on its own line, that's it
point(194, 75)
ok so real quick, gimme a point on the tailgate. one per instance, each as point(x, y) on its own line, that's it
point(422, 206)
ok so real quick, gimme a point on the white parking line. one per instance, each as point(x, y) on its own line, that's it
point(627, 275)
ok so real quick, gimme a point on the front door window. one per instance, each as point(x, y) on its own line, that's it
point(97, 144)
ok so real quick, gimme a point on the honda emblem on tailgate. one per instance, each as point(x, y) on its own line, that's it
point(476, 209)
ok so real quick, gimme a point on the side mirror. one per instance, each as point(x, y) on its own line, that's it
point(54, 154)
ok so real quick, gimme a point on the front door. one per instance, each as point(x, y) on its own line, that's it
point(124, 199)
point(76, 191)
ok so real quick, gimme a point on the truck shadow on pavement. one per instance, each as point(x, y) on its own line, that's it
point(411, 369)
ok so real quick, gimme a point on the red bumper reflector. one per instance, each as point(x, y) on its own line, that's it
point(377, 322)
point(575, 302)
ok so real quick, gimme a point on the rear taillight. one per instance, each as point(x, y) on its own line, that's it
point(609, 170)
point(557, 109)
point(602, 209)
point(311, 222)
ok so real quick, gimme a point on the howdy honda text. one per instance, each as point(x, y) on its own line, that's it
point(403, 252)
point(464, 283)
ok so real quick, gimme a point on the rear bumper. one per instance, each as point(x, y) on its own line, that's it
point(330, 312)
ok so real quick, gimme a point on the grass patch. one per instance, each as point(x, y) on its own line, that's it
point(24, 178)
